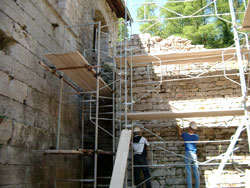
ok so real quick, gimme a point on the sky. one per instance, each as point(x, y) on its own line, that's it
point(132, 6)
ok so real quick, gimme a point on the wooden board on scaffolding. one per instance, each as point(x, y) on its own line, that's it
point(120, 166)
point(246, 20)
point(201, 56)
point(76, 67)
point(182, 114)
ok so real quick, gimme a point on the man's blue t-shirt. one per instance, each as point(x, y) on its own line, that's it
point(190, 137)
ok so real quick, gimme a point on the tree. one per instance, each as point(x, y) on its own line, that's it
point(148, 12)
point(212, 32)
point(121, 29)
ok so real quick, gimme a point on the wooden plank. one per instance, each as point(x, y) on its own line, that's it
point(246, 19)
point(118, 174)
point(182, 114)
point(247, 179)
point(201, 56)
point(84, 78)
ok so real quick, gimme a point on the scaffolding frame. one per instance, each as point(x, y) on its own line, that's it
point(97, 97)
point(244, 88)
point(128, 105)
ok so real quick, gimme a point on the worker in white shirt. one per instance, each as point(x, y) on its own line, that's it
point(140, 146)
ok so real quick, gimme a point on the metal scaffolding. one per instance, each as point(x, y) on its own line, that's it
point(90, 96)
point(123, 100)
point(127, 63)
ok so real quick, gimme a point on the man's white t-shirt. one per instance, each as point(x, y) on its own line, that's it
point(138, 147)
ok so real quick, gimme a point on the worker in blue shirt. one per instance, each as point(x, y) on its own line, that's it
point(190, 154)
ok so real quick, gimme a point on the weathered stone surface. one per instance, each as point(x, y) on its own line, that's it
point(19, 156)
point(12, 174)
point(11, 9)
point(155, 184)
point(160, 172)
point(6, 129)
point(29, 95)
point(12, 88)
point(6, 24)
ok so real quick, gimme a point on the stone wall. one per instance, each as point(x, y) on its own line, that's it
point(29, 95)
point(183, 90)
point(145, 43)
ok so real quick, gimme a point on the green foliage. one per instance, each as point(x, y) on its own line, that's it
point(210, 31)
point(121, 30)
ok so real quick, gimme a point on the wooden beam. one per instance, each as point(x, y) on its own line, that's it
point(118, 174)
point(182, 114)
point(201, 56)
point(246, 19)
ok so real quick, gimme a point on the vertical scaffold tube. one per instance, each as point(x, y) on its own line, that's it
point(125, 69)
point(82, 139)
point(243, 90)
point(59, 115)
point(113, 101)
point(97, 102)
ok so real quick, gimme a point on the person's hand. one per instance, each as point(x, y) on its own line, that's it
point(179, 129)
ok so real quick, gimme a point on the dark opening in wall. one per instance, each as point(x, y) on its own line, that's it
point(5, 41)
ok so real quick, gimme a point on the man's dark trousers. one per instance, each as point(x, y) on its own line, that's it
point(141, 160)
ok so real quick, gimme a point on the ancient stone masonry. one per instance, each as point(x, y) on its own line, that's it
point(144, 43)
point(29, 94)
point(183, 90)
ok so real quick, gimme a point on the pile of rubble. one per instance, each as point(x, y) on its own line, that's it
point(145, 43)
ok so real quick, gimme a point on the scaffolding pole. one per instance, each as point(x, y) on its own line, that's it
point(126, 68)
point(113, 103)
point(243, 88)
point(59, 114)
point(97, 103)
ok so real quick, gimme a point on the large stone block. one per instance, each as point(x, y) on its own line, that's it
point(11, 9)
point(12, 174)
point(6, 24)
point(30, 137)
point(24, 38)
point(35, 30)
point(20, 156)
point(160, 172)
point(6, 64)
point(12, 88)
point(6, 131)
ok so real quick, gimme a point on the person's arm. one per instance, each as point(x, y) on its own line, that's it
point(179, 130)
point(146, 144)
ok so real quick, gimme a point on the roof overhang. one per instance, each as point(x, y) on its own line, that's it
point(118, 6)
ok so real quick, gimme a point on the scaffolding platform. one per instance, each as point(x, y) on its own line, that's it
point(201, 56)
point(246, 19)
point(182, 114)
point(76, 67)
